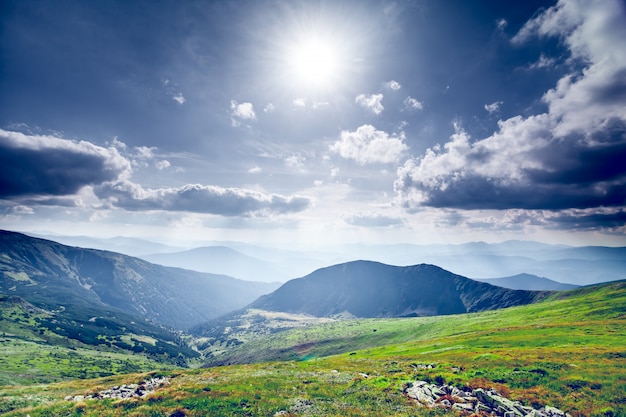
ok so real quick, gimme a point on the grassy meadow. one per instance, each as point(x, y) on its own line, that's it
point(568, 352)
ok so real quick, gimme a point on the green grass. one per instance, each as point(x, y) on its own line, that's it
point(568, 352)
point(31, 353)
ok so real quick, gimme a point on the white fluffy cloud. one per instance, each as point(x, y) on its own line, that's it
point(394, 85)
point(493, 107)
point(198, 198)
point(241, 111)
point(412, 104)
point(372, 102)
point(366, 145)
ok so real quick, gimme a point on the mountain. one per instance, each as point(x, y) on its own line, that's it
point(54, 276)
point(372, 289)
point(583, 265)
point(528, 282)
point(574, 265)
point(358, 289)
point(126, 245)
point(220, 260)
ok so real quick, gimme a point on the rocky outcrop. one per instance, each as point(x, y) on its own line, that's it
point(468, 401)
point(122, 392)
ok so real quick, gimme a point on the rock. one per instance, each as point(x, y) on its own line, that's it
point(480, 400)
point(463, 406)
point(125, 391)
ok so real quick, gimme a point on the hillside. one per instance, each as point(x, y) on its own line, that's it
point(371, 289)
point(54, 276)
point(360, 289)
point(39, 346)
point(566, 352)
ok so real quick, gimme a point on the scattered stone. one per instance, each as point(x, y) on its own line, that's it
point(424, 365)
point(301, 405)
point(124, 391)
point(480, 400)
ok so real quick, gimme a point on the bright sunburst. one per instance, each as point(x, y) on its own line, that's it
point(314, 62)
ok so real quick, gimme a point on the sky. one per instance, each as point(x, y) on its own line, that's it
point(315, 122)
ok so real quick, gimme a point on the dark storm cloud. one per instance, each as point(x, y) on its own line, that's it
point(46, 170)
point(199, 199)
point(571, 157)
point(582, 172)
point(50, 166)
point(594, 221)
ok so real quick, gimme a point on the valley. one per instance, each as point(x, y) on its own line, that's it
point(349, 339)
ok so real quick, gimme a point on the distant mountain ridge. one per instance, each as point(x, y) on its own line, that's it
point(372, 289)
point(50, 275)
point(582, 265)
point(220, 260)
point(528, 282)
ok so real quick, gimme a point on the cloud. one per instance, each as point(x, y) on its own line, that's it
point(493, 107)
point(172, 91)
point(521, 166)
point(372, 102)
point(299, 102)
point(394, 85)
point(34, 165)
point(606, 220)
point(269, 108)
point(411, 103)
point(198, 198)
point(241, 111)
point(594, 33)
point(179, 98)
point(162, 164)
point(570, 157)
point(46, 170)
point(295, 161)
point(366, 145)
point(542, 62)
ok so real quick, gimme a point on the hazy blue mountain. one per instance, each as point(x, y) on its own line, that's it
point(51, 276)
point(567, 264)
point(573, 265)
point(528, 282)
point(126, 245)
point(372, 289)
point(221, 260)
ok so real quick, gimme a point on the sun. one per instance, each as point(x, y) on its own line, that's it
point(314, 61)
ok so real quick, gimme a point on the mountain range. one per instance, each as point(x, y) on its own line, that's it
point(582, 265)
point(97, 296)
point(53, 276)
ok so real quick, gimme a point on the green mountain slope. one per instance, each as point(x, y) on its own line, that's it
point(567, 352)
point(38, 346)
